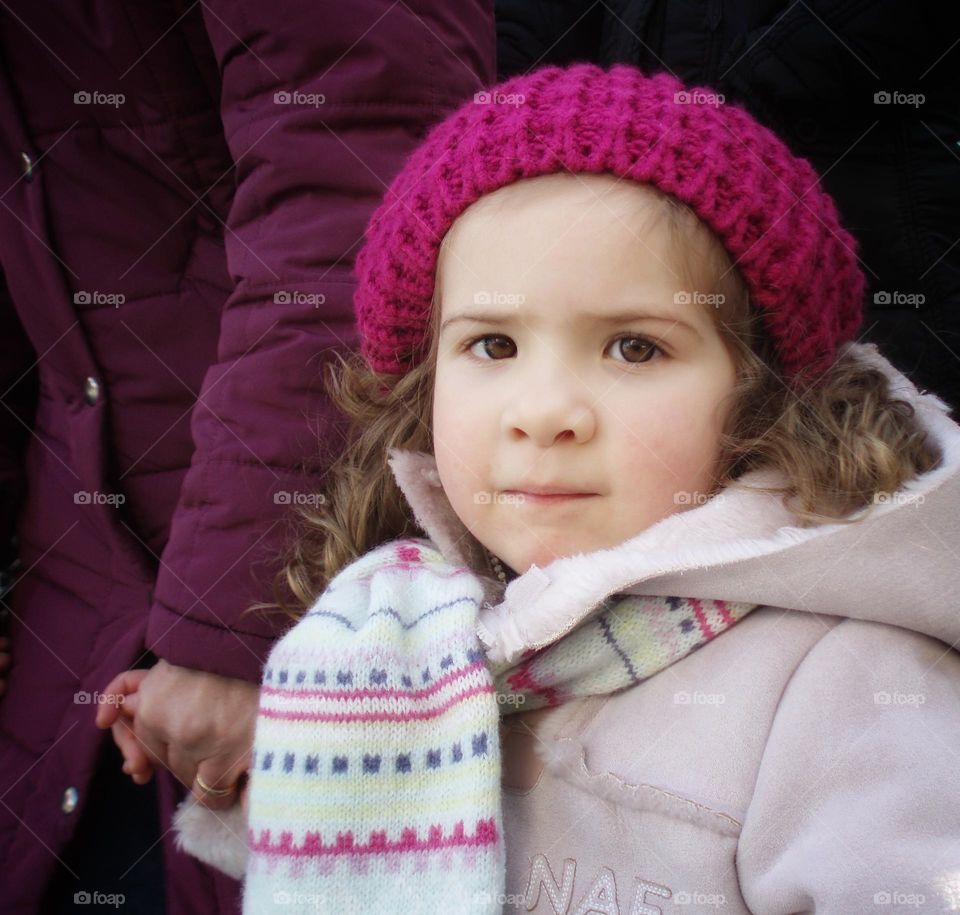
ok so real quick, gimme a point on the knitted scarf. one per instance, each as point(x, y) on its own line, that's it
point(375, 783)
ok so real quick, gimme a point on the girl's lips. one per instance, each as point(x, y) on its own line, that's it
point(543, 499)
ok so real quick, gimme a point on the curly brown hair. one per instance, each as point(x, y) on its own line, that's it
point(838, 440)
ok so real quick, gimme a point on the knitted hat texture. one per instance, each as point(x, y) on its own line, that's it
point(763, 203)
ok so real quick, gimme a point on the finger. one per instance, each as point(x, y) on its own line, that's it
point(127, 681)
point(142, 775)
point(156, 749)
point(125, 703)
point(123, 708)
point(220, 777)
point(136, 761)
point(113, 695)
point(234, 771)
point(139, 776)
point(130, 704)
point(136, 770)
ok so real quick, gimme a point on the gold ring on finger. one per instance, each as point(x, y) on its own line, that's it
point(213, 792)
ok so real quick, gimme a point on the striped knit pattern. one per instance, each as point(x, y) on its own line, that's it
point(375, 784)
point(629, 640)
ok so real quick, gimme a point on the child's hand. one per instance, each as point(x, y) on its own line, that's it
point(118, 713)
point(5, 660)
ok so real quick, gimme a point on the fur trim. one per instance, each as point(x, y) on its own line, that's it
point(419, 481)
point(541, 605)
point(216, 837)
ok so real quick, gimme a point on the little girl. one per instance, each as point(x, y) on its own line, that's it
point(678, 637)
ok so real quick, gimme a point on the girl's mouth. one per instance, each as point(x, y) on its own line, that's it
point(548, 498)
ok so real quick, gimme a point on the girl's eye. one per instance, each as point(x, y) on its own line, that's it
point(495, 347)
point(500, 342)
point(639, 347)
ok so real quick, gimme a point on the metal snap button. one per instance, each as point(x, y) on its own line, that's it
point(70, 798)
point(91, 390)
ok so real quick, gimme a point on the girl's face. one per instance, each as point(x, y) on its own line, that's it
point(571, 356)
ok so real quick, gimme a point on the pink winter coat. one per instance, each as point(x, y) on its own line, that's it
point(805, 760)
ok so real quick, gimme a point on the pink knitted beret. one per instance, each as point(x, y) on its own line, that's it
point(763, 203)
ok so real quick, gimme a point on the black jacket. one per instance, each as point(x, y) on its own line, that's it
point(812, 72)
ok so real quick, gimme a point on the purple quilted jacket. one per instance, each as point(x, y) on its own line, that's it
point(183, 190)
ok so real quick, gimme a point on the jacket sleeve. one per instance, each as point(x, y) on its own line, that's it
point(857, 802)
point(320, 107)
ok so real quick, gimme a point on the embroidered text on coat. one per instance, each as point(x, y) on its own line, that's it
point(600, 897)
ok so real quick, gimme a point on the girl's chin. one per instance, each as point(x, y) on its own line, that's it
point(539, 553)
point(539, 558)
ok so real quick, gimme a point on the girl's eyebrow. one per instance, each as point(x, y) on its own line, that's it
point(624, 317)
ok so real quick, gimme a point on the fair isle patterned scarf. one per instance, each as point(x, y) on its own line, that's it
point(375, 784)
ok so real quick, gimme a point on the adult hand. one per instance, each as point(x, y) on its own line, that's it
point(190, 721)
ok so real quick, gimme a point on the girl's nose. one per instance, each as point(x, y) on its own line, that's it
point(549, 413)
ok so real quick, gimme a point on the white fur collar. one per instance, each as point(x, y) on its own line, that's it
point(744, 526)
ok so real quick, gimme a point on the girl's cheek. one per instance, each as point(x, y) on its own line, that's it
point(460, 412)
point(667, 450)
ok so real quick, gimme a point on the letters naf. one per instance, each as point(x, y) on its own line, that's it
point(599, 897)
